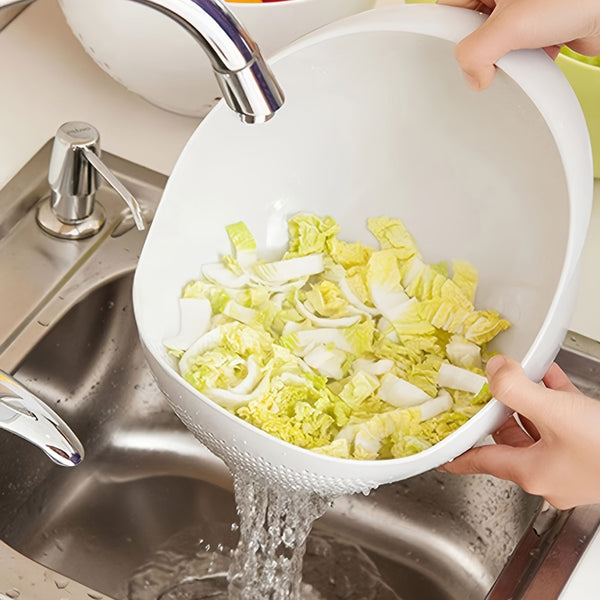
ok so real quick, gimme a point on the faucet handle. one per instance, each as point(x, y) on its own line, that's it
point(73, 176)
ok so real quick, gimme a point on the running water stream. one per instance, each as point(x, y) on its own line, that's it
point(274, 526)
point(267, 564)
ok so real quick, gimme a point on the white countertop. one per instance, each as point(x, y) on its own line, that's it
point(46, 79)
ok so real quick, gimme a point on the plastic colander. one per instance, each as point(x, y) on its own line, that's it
point(378, 121)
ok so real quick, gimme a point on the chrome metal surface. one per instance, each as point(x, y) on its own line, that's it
point(27, 416)
point(8, 14)
point(115, 184)
point(25, 579)
point(5, 4)
point(247, 83)
point(146, 479)
point(48, 273)
point(72, 178)
point(146, 482)
point(75, 168)
point(78, 230)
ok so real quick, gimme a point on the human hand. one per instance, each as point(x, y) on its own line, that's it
point(517, 24)
point(558, 456)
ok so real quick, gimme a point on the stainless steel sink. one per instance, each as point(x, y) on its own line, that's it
point(147, 485)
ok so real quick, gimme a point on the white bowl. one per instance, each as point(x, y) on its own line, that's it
point(156, 58)
point(379, 121)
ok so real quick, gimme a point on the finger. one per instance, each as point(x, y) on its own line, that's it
point(512, 26)
point(510, 433)
point(552, 51)
point(509, 384)
point(504, 462)
point(479, 51)
point(485, 6)
point(556, 379)
point(529, 427)
point(471, 4)
point(589, 46)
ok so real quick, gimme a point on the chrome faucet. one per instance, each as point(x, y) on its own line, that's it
point(27, 416)
point(249, 89)
point(248, 86)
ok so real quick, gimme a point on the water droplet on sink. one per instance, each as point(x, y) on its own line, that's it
point(61, 584)
point(13, 593)
point(95, 596)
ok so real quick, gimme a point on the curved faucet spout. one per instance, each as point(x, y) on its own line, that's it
point(246, 81)
point(248, 86)
point(27, 416)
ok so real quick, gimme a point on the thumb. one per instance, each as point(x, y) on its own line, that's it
point(557, 379)
point(509, 384)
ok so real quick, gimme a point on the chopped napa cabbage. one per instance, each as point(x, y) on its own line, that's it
point(303, 309)
point(391, 233)
point(482, 326)
point(231, 399)
point(383, 279)
point(425, 374)
point(424, 283)
point(349, 255)
point(304, 340)
point(462, 353)
point(309, 234)
point(243, 242)
point(241, 313)
point(300, 412)
point(419, 435)
point(218, 368)
point(338, 274)
point(253, 377)
point(360, 336)
point(216, 295)
point(366, 439)
point(435, 406)
point(409, 320)
point(451, 376)
point(355, 339)
point(349, 350)
point(340, 448)
point(223, 275)
point(401, 393)
point(359, 388)
point(283, 271)
point(483, 396)
point(465, 277)
point(195, 316)
point(357, 284)
point(327, 300)
point(326, 361)
point(205, 343)
point(374, 367)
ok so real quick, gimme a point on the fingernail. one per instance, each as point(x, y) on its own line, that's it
point(494, 364)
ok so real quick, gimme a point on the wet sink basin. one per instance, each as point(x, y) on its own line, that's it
point(146, 479)
point(148, 492)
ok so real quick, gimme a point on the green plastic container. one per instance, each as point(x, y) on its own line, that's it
point(584, 78)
